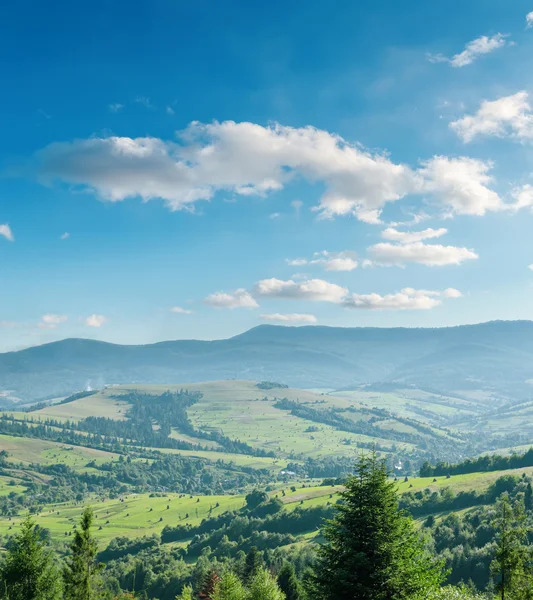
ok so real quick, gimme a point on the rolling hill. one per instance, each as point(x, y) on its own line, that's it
point(490, 362)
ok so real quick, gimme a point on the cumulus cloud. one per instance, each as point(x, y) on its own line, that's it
point(530, 267)
point(461, 185)
point(181, 311)
point(116, 107)
point(406, 299)
point(65, 235)
point(51, 321)
point(5, 231)
point(329, 261)
point(290, 318)
point(473, 50)
point(523, 197)
point(240, 298)
point(509, 116)
point(408, 237)
point(246, 159)
point(310, 289)
point(433, 255)
point(95, 320)
point(529, 20)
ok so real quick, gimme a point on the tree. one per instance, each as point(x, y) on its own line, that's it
point(528, 499)
point(186, 593)
point(372, 550)
point(82, 570)
point(510, 564)
point(208, 589)
point(252, 563)
point(289, 583)
point(229, 587)
point(264, 587)
point(28, 569)
point(255, 498)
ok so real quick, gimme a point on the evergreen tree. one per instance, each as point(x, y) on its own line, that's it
point(186, 593)
point(229, 587)
point(81, 572)
point(372, 550)
point(528, 499)
point(28, 569)
point(289, 583)
point(511, 563)
point(252, 564)
point(264, 587)
point(208, 589)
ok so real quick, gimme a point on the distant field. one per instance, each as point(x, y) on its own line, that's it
point(242, 460)
point(98, 405)
point(30, 450)
point(136, 516)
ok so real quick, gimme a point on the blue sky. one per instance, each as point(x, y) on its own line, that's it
point(191, 170)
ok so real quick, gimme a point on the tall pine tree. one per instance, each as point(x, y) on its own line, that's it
point(372, 550)
point(81, 575)
point(27, 571)
point(288, 582)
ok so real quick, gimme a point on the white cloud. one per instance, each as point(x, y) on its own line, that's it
point(406, 299)
point(529, 20)
point(65, 235)
point(329, 261)
point(473, 50)
point(461, 185)
point(290, 318)
point(310, 289)
point(181, 311)
point(508, 116)
point(114, 108)
point(240, 298)
point(145, 101)
point(433, 255)
point(95, 321)
point(247, 159)
point(5, 231)
point(170, 111)
point(408, 237)
point(530, 267)
point(51, 321)
point(523, 197)
point(275, 215)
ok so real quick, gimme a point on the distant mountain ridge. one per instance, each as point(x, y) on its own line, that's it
point(495, 358)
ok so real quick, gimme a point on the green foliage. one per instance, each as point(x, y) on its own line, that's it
point(28, 571)
point(252, 564)
point(186, 593)
point(229, 588)
point(510, 566)
point(82, 571)
point(264, 587)
point(288, 582)
point(372, 550)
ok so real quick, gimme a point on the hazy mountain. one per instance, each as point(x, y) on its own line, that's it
point(495, 358)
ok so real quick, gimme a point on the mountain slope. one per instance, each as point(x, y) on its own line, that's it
point(495, 358)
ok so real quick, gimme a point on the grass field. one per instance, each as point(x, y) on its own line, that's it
point(101, 404)
point(30, 450)
point(135, 516)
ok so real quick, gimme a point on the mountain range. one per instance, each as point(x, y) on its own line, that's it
point(494, 360)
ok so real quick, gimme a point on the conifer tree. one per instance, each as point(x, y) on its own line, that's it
point(28, 568)
point(511, 563)
point(264, 587)
point(229, 587)
point(186, 593)
point(288, 582)
point(372, 550)
point(81, 575)
point(252, 564)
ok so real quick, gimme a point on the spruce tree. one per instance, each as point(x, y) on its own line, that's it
point(511, 562)
point(82, 570)
point(252, 564)
point(288, 582)
point(372, 550)
point(264, 587)
point(27, 571)
point(229, 587)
